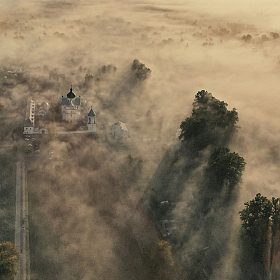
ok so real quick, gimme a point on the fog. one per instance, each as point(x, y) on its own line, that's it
point(189, 46)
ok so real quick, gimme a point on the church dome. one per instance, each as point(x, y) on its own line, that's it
point(71, 94)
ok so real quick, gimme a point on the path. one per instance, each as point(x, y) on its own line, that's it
point(20, 238)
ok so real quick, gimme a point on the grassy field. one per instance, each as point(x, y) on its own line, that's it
point(7, 194)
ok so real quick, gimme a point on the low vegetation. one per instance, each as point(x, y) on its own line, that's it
point(9, 257)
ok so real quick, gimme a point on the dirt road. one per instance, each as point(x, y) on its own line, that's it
point(20, 234)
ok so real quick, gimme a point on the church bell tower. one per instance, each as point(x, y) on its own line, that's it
point(91, 124)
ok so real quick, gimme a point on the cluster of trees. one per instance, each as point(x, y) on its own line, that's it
point(212, 178)
point(211, 126)
point(224, 167)
point(9, 256)
point(140, 71)
point(221, 179)
point(248, 38)
point(210, 123)
point(260, 235)
point(107, 69)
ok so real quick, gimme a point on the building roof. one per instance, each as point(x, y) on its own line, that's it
point(121, 125)
point(91, 113)
point(44, 104)
point(71, 94)
point(66, 101)
point(30, 112)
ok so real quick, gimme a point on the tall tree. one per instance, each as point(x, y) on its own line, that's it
point(260, 226)
point(226, 167)
point(210, 123)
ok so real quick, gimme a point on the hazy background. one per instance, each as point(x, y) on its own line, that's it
point(188, 45)
point(109, 32)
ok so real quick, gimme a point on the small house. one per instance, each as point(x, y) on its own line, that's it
point(119, 130)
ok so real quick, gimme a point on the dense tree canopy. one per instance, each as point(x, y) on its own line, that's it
point(260, 227)
point(256, 217)
point(140, 70)
point(211, 122)
point(9, 256)
point(220, 183)
point(227, 167)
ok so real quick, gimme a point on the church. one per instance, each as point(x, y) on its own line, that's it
point(71, 107)
point(71, 111)
point(91, 124)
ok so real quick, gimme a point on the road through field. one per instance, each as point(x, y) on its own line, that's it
point(20, 238)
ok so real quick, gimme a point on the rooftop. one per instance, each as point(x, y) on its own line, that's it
point(91, 113)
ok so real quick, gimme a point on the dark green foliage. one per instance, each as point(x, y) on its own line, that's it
point(218, 188)
point(215, 187)
point(9, 257)
point(219, 185)
point(193, 127)
point(141, 72)
point(260, 228)
point(211, 122)
point(227, 167)
point(202, 98)
point(255, 218)
point(275, 215)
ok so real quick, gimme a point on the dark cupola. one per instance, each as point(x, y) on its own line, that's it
point(71, 94)
point(91, 113)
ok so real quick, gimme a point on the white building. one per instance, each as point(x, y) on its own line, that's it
point(91, 121)
point(40, 131)
point(29, 126)
point(71, 107)
point(119, 130)
point(43, 109)
point(29, 118)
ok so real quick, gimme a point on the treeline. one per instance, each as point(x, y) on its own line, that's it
point(196, 185)
point(193, 196)
point(260, 238)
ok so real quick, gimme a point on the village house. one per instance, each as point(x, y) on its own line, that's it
point(29, 126)
point(29, 118)
point(119, 130)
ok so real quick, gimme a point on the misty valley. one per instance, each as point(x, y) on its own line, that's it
point(139, 140)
